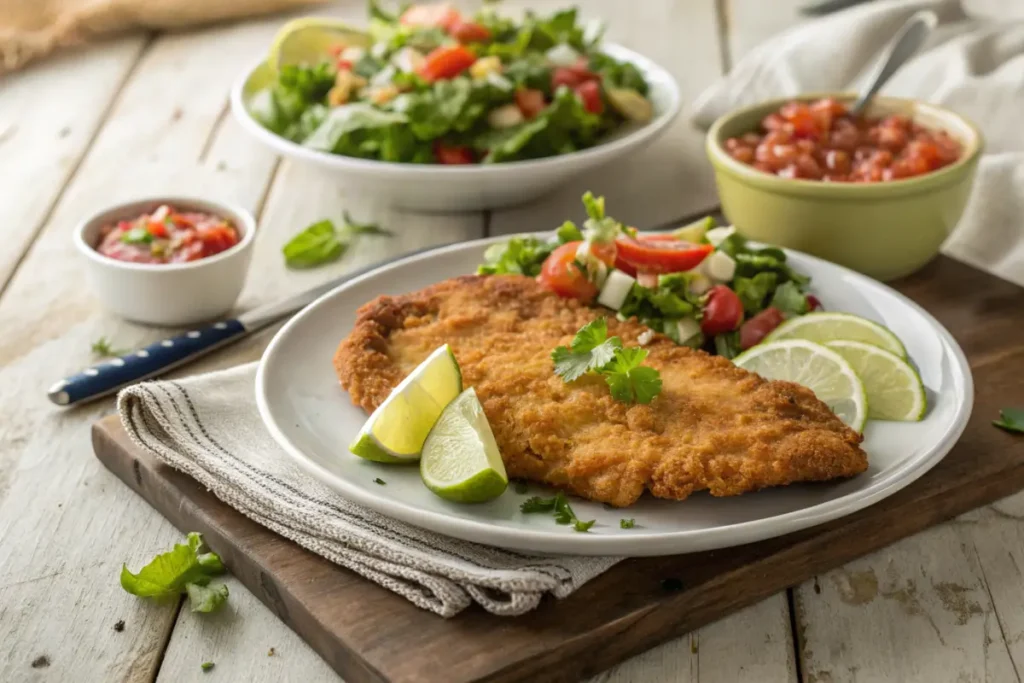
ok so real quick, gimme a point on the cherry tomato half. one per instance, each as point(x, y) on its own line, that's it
point(469, 32)
point(443, 15)
point(452, 155)
point(661, 253)
point(571, 76)
point(758, 327)
point(562, 276)
point(447, 61)
point(530, 102)
point(723, 311)
point(590, 94)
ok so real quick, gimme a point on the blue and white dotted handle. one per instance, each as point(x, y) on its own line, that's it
point(110, 375)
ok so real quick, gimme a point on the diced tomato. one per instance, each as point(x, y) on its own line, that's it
point(661, 253)
point(216, 239)
point(447, 61)
point(453, 155)
point(605, 252)
point(562, 276)
point(571, 76)
point(157, 229)
point(469, 32)
point(530, 102)
point(758, 327)
point(723, 311)
point(442, 15)
point(813, 303)
point(590, 93)
point(344, 65)
point(626, 268)
point(335, 50)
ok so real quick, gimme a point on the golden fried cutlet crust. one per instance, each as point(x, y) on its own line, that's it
point(714, 426)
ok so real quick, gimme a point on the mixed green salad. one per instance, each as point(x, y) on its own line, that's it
point(429, 85)
point(701, 285)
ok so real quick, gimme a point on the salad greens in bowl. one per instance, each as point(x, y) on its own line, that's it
point(443, 111)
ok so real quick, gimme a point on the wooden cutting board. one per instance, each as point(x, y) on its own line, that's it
point(369, 634)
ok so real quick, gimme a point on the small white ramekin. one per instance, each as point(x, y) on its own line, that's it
point(167, 294)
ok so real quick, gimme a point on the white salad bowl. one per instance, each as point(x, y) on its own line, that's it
point(167, 294)
point(429, 187)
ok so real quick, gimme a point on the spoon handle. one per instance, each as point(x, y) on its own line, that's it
point(904, 46)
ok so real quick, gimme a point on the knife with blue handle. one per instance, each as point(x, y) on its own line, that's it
point(107, 376)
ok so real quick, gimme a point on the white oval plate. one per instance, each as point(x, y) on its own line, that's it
point(432, 187)
point(313, 419)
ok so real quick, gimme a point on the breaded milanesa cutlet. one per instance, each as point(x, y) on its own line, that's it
point(714, 426)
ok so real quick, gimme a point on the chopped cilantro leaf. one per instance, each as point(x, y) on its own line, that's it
point(583, 526)
point(363, 228)
point(568, 232)
point(560, 509)
point(1011, 420)
point(790, 300)
point(103, 348)
point(629, 381)
point(590, 350)
point(206, 666)
point(627, 523)
point(537, 504)
point(380, 482)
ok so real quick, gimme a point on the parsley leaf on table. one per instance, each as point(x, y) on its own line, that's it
point(186, 568)
point(627, 523)
point(590, 350)
point(630, 381)
point(103, 348)
point(1011, 420)
point(206, 666)
point(322, 242)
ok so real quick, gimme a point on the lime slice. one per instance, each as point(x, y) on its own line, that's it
point(308, 41)
point(826, 327)
point(893, 386)
point(461, 461)
point(816, 367)
point(397, 429)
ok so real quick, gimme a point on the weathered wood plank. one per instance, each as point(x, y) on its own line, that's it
point(752, 645)
point(48, 118)
point(72, 523)
point(917, 611)
point(671, 178)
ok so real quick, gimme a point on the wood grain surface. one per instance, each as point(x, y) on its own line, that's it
point(355, 624)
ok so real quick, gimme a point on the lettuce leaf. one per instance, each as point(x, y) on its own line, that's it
point(186, 568)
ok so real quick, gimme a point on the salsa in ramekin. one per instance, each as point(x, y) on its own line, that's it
point(820, 141)
point(167, 236)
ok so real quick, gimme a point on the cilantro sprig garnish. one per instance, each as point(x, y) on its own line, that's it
point(1011, 420)
point(559, 507)
point(103, 348)
point(591, 350)
point(186, 568)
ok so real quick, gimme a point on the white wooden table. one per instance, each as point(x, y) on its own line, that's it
point(149, 114)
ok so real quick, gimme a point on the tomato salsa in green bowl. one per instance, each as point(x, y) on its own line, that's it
point(878, 194)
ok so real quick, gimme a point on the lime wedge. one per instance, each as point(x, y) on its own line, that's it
point(893, 386)
point(308, 41)
point(816, 367)
point(461, 461)
point(826, 327)
point(397, 429)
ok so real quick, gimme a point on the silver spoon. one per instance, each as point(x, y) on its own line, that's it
point(904, 46)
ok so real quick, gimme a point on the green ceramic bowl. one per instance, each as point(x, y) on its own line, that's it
point(885, 230)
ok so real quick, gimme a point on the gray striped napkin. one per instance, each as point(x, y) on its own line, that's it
point(208, 427)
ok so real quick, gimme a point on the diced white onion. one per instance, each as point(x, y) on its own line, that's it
point(616, 289)
point(718, 235)
point(408, 59)
point(687, 328)
point(720, 266)
point(505, 116)
point(700, 283)
point(645, 337)
point(352, 53)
